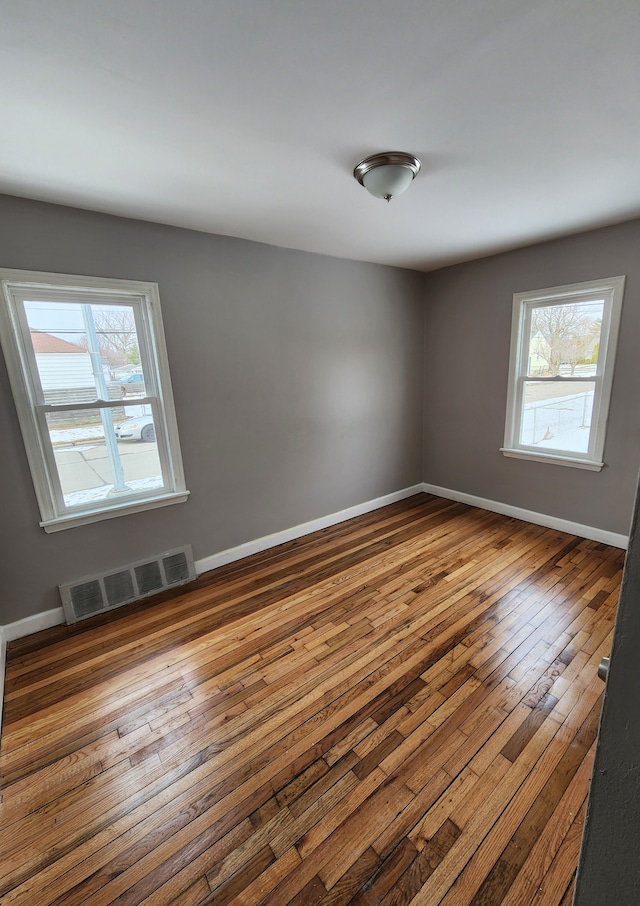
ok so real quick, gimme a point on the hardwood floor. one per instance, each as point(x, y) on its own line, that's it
point(401, 709)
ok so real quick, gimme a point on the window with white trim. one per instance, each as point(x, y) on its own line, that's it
point(563, 345)
point(89, 372)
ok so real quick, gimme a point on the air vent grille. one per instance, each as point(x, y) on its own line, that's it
point(176, 567)
point(97, 594)
point(149, 577)
point(86, 598)
point(119, 588)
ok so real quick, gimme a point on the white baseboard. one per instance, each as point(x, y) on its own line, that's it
point(298, 531)
point(505, 509)
point(35, 623)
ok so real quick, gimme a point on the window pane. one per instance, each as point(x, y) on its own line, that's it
point(557, 415)
point(564, 339)
point(85, 352)
point(90, 468)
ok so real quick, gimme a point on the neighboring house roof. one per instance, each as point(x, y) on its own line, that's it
point(45, 342)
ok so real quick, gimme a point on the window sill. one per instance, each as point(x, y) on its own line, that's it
point(554, 458)
point(65, 522)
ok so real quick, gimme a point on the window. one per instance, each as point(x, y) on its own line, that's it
point(90, 378)
point(563, 344)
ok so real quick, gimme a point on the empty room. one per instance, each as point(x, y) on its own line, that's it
point(320, 444)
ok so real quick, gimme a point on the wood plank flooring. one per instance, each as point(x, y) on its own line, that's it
point(398, 710)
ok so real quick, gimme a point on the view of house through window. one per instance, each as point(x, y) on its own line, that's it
point(88, 368)
point(564, 341)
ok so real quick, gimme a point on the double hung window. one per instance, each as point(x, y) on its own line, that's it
point(563, 345)
point(89, 373)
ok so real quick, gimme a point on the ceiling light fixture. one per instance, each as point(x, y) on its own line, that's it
point(388, 174)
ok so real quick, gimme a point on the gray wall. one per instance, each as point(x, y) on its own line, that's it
point(467, 336)
point(297, 380)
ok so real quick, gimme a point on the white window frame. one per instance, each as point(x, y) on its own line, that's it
point(144, 298)
point(610, 289)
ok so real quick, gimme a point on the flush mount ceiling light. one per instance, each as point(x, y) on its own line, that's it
point(388, 174)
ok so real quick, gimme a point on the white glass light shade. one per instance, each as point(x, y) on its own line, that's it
point(387, 182)
point(387, 174)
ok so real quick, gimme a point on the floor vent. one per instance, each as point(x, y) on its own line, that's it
point(97, 594)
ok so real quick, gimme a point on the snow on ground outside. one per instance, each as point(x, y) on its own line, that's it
point(76, 498)
point(560, 423)
point(71, 435)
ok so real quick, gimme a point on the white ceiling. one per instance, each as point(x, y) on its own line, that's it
point(246, 117)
